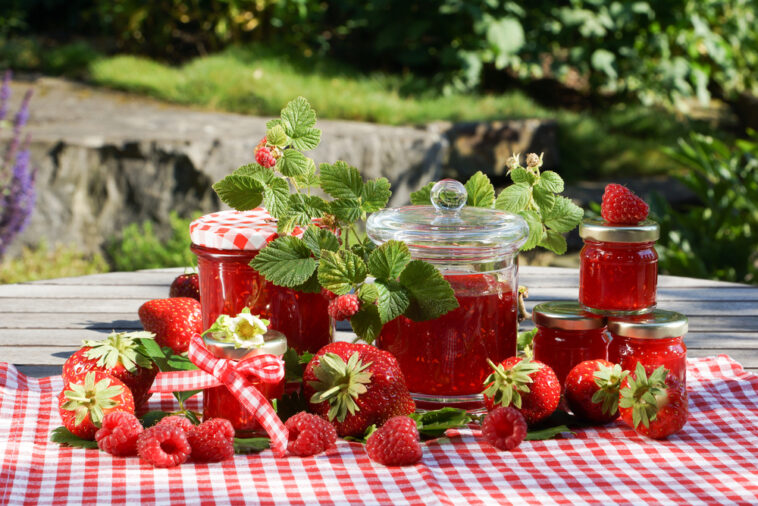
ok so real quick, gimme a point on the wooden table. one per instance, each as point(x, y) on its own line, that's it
point(43, 322)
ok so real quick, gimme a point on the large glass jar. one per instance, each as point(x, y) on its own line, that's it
point(618, 273)
point(225, 243)
point(654, 340)
point(219, 402)
point(567, 335)
point(445, 360)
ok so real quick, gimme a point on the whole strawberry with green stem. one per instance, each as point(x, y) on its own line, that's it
point(173, 321)
point(355, 386)
point(655, 405)
point(528, 385)
point(86, 399)
point(117, 355)
point(592, 389)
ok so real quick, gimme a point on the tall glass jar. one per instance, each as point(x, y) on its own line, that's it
point(225, 243)
point(618, 272)
point(219, 402)
point(445, 360)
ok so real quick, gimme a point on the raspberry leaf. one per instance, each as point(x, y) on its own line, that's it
point(346, 209)
point(275, 189)
point(292, 163)
point(368, 293)
point(544, 199)
point(554, 242)
point(388, 260)
point(536, 229)
point(521, 175)
point(514, 198)
point(366, 323)
point(276, 136)
point(341, 181)
point(240, 192)
point(550, 181)
point(480, 191)
point(318, 240)
point(306, 139)
point(286, 261)
point(298, 117)
point(375, 195)
point(393, 300)
point(430, 294)
point(423, 197)
point(564, 216)
point(63, 436)
point(338, 272)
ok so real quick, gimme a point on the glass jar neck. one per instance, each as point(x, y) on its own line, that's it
point(620, 245)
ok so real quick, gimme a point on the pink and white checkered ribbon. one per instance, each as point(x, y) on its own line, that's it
point(234, 375)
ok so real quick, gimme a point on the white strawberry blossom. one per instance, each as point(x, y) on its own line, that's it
point(244, 330)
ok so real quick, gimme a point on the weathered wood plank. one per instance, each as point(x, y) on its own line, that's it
point(30, 291)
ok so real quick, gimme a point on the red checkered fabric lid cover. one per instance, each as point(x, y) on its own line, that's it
point(234, 230)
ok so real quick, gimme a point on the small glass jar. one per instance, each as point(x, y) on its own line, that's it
point(219, 402)
point(444, 360)
point(618, 273)
point(654, 340)
point(567, 335)
point(225, 243)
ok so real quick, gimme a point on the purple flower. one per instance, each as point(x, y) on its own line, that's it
point(17, 200)
point(22, 116)
point(5, 94)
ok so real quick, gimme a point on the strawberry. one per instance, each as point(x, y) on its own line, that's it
point(621, 206)
point(531, 386)
point(655, 405)
point(173, 321)
point(185, 285)
point(355, 386)
point(117, 355)
point(592, 390)
point(85, 400)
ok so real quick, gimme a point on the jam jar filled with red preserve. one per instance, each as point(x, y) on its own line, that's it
point(444, 360)
point(618, 272)
point(567, 335)
point(225, 242)
point(655, 339)
point(219, 402)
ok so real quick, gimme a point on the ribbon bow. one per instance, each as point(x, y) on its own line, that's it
point(232, 374)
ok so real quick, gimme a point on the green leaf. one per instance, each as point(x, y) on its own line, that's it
point(514, 198)
point(292, 163)
point(242, 193)
point(306, 139)
point(524, 339)
point(554, 241)
point(183, 396)
point(318, 239)
point(276, 136)
point(298, 116)
point(152, 417)
point(346, 209)
point(63, 436)
point(423, 197)
point(363, 248)
point(544, 199)
point(368, 293)
point(535, 229)
point(393, 300)
point(376, 193)
point(302, 209)
point(388, 260)
point(480, 191)
point(310, 179)
point(546, 433)
point(153, 351)
point(286, 261)
point(176, 362)
point(341, 181)
point(338, 272)
point(250, 445)
point(550, 181)
point(505, 35)
point(272, 123)
point(311, 285)
point(293, 369)
point(366, 323)
point(276, 191)
point(431, 295)
point(433, 424)
point(564, 216)
point(521, 175)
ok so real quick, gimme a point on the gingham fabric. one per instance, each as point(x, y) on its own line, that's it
point(713, 460)
point(235, 230)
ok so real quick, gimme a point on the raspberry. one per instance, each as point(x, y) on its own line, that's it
point(396, 443)
point(181, 422)
point(212, 440)
point(309, 434)
point(118, 434)
point(163, 446)
point(343, 307)
point(264, 157)
point(504, 428)
point(328, 294)
point(621, 206)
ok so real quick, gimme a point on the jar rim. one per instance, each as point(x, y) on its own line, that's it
point(275, 343)
point(658, 324)
point(565, 315)
point(601, 230)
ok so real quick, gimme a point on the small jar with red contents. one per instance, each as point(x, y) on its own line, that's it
point(219, 402)
point(567, 335)
point(655, 339)
point(225, 242)
point(618, 273)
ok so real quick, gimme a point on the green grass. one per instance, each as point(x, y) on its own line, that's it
point(43, 262)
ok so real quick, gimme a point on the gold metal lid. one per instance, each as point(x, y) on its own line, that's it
point(275, 343)
point(601, 230)
point(565, 315)
point(660, 324)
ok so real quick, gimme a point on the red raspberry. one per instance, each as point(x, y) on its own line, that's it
point(212, 440)
point(621, 206)
point(344, 307)
point(396, 443)
point(163, 446)
point(118, 434)
point(504, 428)
point(181, 422)
point(309, 434)
point(264, 157)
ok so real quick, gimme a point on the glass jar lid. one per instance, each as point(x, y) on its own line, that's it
point(659, 324)
point(446, 230)
point(275, 343)
point(565, 315)
point(601, 230)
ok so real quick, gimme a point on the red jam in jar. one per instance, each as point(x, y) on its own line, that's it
point(219, 402)
point(654, 340)
point(225, 243)
point(618, 273)
point(444, 359)
point(567, 335)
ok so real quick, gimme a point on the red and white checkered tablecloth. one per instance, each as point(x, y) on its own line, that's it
point(713, 460)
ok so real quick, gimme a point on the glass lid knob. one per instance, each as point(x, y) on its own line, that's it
point(448, 195)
